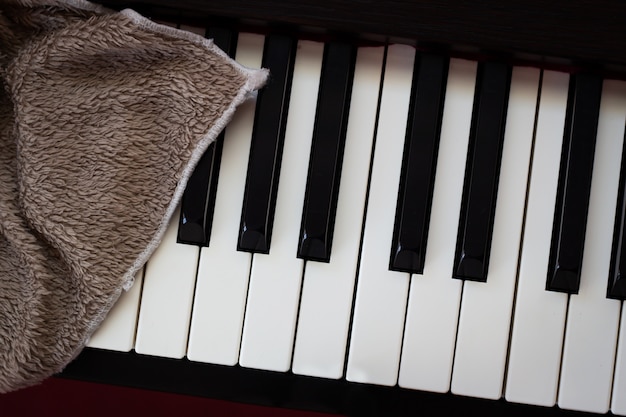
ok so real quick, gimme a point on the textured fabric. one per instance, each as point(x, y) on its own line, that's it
point(103, 117)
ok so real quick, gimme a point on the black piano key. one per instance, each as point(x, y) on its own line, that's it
point(268, 136)
point(329, 136)
point(419, 163)
point(572, 202)
point(617, 281)
point(225, 39)
point(198, 201)
point(195, 217)
point(480, 188)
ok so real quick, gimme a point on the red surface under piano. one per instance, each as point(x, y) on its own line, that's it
point(68, 398)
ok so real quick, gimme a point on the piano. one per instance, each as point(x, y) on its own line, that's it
point(423, 212)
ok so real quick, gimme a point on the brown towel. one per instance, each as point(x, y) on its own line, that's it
point(103, 117)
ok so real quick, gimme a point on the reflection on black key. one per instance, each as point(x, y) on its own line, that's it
point(478, 204)
point(419, 164)
point(268, 136)
point(572, 202)
point(198, 201)
point(329, 136)
point(617, 280)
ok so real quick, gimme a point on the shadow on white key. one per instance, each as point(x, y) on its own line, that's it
point(593, 319)
point(223, 272)
point(485, 318)
point(167, 297)
point(275, 279)
point(328, 288)
point(117, 331)
point(434, 300)
point(381, 294)
point(618, 398)
point(539, 317)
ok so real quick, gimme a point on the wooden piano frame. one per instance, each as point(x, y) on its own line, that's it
point(588, 34)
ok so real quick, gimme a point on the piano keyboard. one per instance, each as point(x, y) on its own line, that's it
point(426, 232)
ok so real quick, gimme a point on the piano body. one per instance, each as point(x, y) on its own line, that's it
point(440, 224)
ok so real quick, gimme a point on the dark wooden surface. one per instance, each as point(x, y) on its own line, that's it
point(588, 33)
point(62, 397)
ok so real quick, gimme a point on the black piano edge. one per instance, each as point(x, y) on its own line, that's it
point(573, 36)
point(284, 390)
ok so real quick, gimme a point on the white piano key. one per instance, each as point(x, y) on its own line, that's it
point(117, 331)
point(275, 279)
point(539, 317)
point(484, 322)
point(328, 288)
point(434, 298)
point(167, 297)
point(223, 272)
point(381, 294)
point(593, 320)
point(618, 398)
